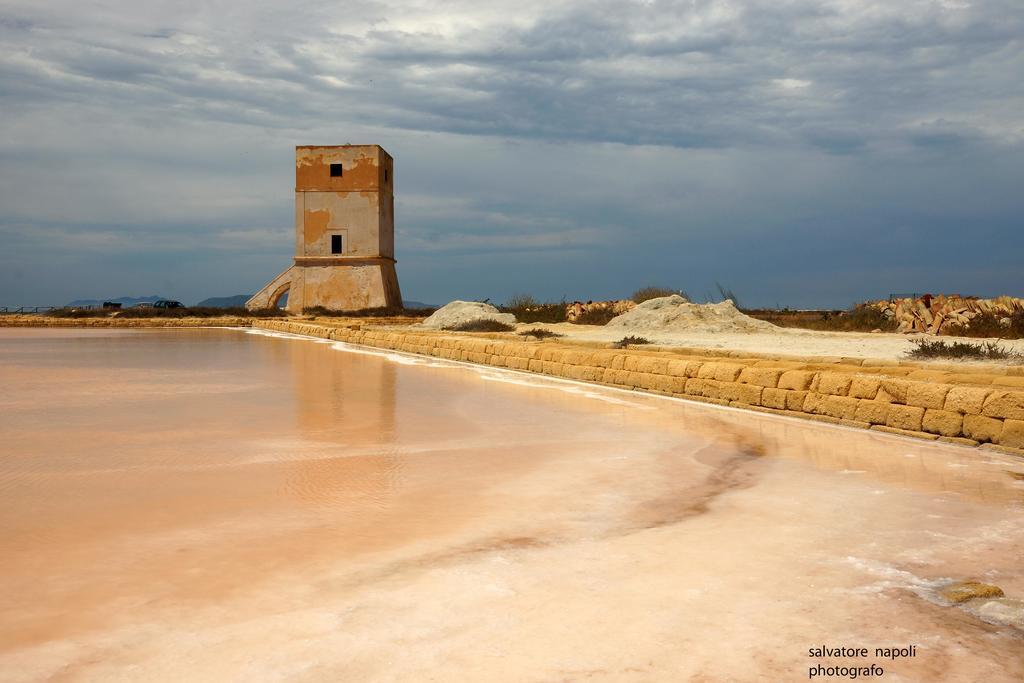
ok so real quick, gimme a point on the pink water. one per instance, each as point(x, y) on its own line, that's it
point(217, 505)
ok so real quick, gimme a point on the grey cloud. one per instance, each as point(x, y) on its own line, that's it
point(601, 144)
point(685, 74)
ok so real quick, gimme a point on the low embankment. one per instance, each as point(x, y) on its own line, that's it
point(956, 404)
point(15, 320)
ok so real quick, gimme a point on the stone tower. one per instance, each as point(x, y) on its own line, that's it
point(344, 232)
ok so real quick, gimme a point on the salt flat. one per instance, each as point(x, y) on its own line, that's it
point(216, 505)
point(790, 342)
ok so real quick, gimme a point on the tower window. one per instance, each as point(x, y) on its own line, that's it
point(385, 175)
point(335, 170)
point(335, 244)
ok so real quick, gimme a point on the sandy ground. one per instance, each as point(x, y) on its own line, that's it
point(785, 342)
point(212, 505)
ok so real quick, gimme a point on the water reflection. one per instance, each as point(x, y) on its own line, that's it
point(923, 465)
point(343, 401)
point(175, 500)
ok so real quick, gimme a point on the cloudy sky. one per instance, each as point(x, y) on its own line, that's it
point(800, 152)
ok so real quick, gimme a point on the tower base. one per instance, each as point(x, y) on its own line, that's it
point(335, 284)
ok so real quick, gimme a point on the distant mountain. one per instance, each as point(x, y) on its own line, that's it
point(239, 300)
point(236, 301)
point(126, 301)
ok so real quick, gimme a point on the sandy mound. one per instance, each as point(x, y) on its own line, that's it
point(460, 312)
point(676, 314)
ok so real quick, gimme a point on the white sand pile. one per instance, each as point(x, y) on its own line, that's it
point(676, 314)
point(458, 313)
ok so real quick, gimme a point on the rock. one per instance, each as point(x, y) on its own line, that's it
point(924, 313)
point(981, 428)
point(576, 309)
point(1003, 611)
point(905, 417)
point(944, 422)
point(967, 400)
point(945, 314)
point(460, 312)
point(962, 591)
point(1012, 434)
point(1005, 404)
point(676, 314)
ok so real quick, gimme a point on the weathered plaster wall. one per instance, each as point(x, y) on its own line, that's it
point(348, 288)
point(352, 214)
point(269, 296)
point(361, 164)
point(386, 206)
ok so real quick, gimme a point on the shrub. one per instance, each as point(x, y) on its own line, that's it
point(595, 316)
point(526, 309)
point(261, 312)
point(81, 313)
point(990, 325)
point(204, 312)
point(861, 318)
point(1017, 325)
point(380, 312)
point(540, 333)
point(727, 293)
point(550, 312)
point(485, 325)
point(647, 293)
point(926, 348)
point(631, 341)
point(519, 301)
point(150, 312)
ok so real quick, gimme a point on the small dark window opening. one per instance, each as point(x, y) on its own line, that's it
point(385, 175)
point(335, 244)
point(335, 170)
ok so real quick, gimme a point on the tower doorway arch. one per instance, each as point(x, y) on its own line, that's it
point(279, 294)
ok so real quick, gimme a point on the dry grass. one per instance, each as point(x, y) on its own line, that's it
point(630, 341)
point(929, 349)
point(865, 318)
point(727, 293)
point(989, 325)
point(647, 293)
point(857, 319)
point(481, 326)
point(595, 316)
point(540, 333)
point(381, 312)
point(150, 312)
point(88, 312)
point(526, 309)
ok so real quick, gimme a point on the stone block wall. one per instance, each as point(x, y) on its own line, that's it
point(968, 408)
